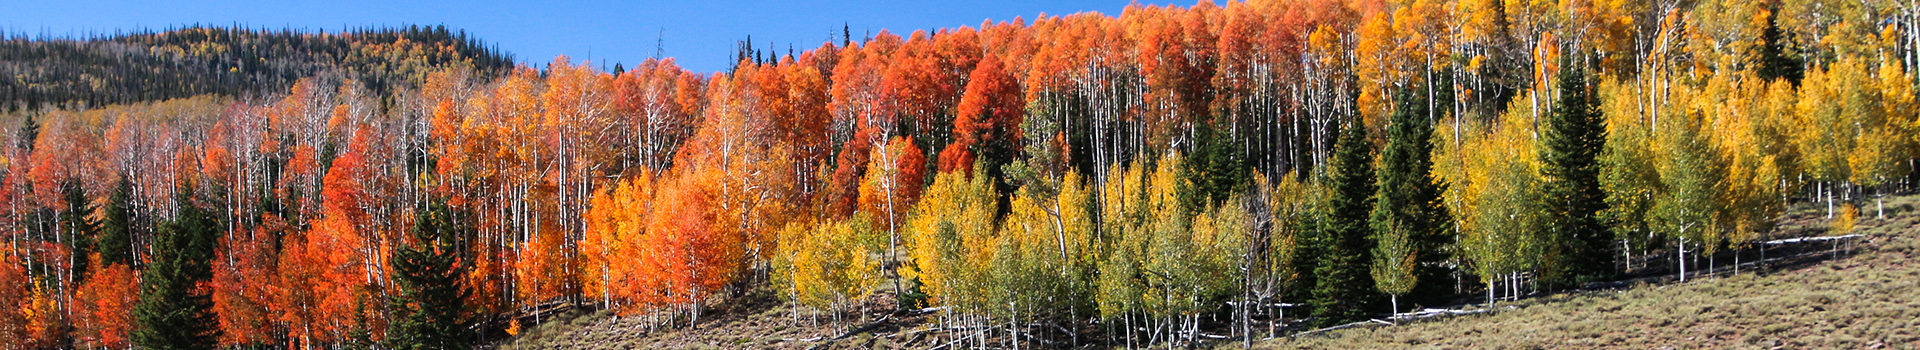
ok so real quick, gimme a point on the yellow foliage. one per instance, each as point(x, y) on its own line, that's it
point(1503, 222)
point(1844, 223)
point(1292, 205)
point(950, 237)
point(825, 266)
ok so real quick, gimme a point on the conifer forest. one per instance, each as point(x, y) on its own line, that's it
point(1168, 176)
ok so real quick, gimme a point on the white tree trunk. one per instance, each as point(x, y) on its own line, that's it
point(1829, 195)
point(1396, 309)
point(1491, 284)
point(1683, 260)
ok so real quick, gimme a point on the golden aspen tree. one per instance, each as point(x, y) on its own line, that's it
point(830, 265)
point(948, 231)
point(1693, 180)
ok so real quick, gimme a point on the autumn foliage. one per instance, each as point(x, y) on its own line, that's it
point(1149, 169)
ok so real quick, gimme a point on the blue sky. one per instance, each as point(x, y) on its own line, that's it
point(700, 34)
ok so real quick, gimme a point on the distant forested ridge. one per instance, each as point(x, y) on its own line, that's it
point(1162, 176)
point(185, 62)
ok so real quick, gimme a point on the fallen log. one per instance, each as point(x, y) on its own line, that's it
point(1810, 239)
point(862, 329)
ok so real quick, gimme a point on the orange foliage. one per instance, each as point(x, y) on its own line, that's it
point(656, 188)
point(14, 331)
point(616, 225)
point(321, 282)
point(326, 273)
point(893, 185)
point(544, 271)
point(989, 121)
point(240, 301)
point(104, 306)
point(691, 254)
point(659, 101)
point(46, 322)
point(843, 192)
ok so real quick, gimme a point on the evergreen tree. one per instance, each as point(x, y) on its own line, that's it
point(174, 313)
point(1312, 229)
point(429, 271)
point(1215, 171)
point(1575, 134)
point(116, 226)
point(1409, 197)
point(29, 132)
point(1344, 283)
point(78, 226)
point(1771, 54)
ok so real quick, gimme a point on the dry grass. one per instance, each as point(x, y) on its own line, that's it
point(1868, 300)
point(753, 321)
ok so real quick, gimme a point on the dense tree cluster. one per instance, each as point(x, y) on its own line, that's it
point(79, 73)
point(1142, 176)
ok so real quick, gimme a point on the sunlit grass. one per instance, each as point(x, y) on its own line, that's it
point(1868, 300)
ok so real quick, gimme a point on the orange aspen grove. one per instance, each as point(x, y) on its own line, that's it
point(240, 299)
point(660, 104)
point(692, 258)
point(616, 231)
point(320, 283)
point(327, 272)
point(988, 126)
point(104, 306)
point(893, 184)
point(807, 125)
point(14, 331)
point(1024, 171)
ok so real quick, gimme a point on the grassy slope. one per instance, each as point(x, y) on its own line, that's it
point(1868, 300)
point(754, 321)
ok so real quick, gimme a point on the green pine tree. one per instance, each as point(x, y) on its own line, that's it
point(1215, 171)
point(1574, 136)
point(1312, 229)
point(1344, 284)
point(1771, 54)
point(174, 313)
point(29, 133)
point(1409, 196)
point(78, 226)
point(116, 226)
point(431, 299)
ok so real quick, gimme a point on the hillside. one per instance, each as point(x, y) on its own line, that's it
point(1866, 298)
point(1179, 176)
point(191, 61)
point(1866, 295)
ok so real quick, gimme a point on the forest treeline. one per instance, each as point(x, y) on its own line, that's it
point(90, 72)
point(1128, 180)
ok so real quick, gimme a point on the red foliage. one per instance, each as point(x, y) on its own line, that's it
point(322, 279)
point(843, 193)
point(897, 176)
point(990, 116)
